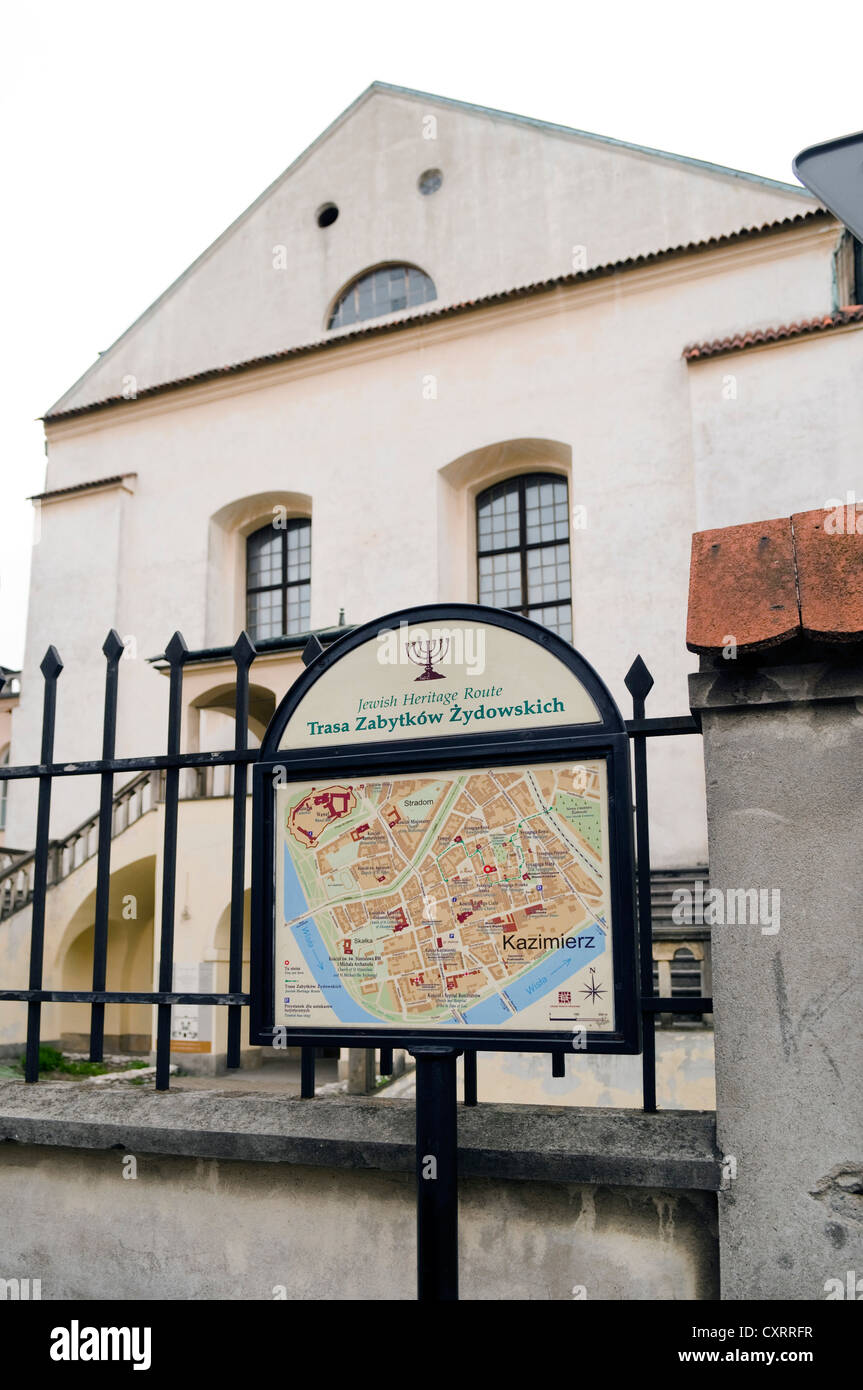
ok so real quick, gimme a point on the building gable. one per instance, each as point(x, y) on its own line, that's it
point(519, 201)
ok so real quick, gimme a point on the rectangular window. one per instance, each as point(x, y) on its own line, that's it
point(523, 560)
point(278, 575)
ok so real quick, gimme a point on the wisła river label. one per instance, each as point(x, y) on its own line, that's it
point(471, 899)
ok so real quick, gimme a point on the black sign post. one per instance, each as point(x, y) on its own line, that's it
point(437, 1174)
point(530, 912)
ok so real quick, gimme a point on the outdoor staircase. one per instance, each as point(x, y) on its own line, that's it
point(663, 885)
point(129, 804)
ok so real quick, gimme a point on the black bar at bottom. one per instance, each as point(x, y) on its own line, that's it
point(437, 1180)
point(307, 1073)
point(558, 1063)
point(386, 1062)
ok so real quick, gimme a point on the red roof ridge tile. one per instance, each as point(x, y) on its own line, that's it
point(767, 582)
point(839, 318)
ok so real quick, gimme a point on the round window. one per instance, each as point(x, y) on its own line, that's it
point(327, 215)
point(430, 181)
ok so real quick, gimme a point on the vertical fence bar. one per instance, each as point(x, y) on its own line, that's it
point(113, 648)
point(176, 652)
point(307, 1073)
point(437, 1175)
point(639, 683)
point(51, 667)
point(244, 654)
point(470, 1077)
point(386, 1061)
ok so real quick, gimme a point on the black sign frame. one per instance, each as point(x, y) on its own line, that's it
point(603, 739)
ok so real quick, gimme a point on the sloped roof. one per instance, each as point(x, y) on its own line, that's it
point(378, 328)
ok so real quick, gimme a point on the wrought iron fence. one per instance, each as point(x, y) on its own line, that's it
point(172, 776)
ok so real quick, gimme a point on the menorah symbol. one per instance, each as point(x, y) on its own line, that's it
point(425, 654)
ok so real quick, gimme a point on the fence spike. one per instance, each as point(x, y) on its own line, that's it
point(638, 680)
point(51, 665)
point(113, 645)
point(244, 650)
point(312, 650)
point(176, 650)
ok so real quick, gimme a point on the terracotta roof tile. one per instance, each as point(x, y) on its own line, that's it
point(741, 587)
point(851, 314)
point(81, 487)
point(829, 554)
point(772, 581)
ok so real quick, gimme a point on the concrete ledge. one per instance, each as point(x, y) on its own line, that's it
point(674, 1149)
point(736, 683)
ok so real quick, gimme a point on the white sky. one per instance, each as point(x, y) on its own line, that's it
point(133, 134)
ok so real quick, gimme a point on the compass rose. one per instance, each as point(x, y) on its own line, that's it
point(593, 990)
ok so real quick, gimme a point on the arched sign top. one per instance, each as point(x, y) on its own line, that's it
point(441, 670)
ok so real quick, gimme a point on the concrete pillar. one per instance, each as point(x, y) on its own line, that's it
point(783, 747)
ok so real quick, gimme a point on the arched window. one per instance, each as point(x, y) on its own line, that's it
point(278, 570)
point(382, 291)
point(686, 973)
point(523, 549)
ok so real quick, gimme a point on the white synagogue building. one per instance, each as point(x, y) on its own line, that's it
point(450, 354)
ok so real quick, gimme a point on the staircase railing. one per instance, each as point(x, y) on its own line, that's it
point(130, 803)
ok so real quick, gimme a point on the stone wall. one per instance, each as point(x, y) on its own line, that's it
point(251, 1197)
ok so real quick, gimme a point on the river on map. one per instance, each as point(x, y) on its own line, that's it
point(316, 955)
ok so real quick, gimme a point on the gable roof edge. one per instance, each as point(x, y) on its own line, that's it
point(223, 236)
point(778, 185)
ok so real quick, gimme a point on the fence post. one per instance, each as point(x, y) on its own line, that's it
point(784, 777)
point(639, 683)
point(112, 648)
point(244, 653)
point(176, 652)
point(51, 667)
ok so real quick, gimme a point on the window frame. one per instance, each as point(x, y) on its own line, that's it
point(526, 608)
point(353, 286)
point(296, 523)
